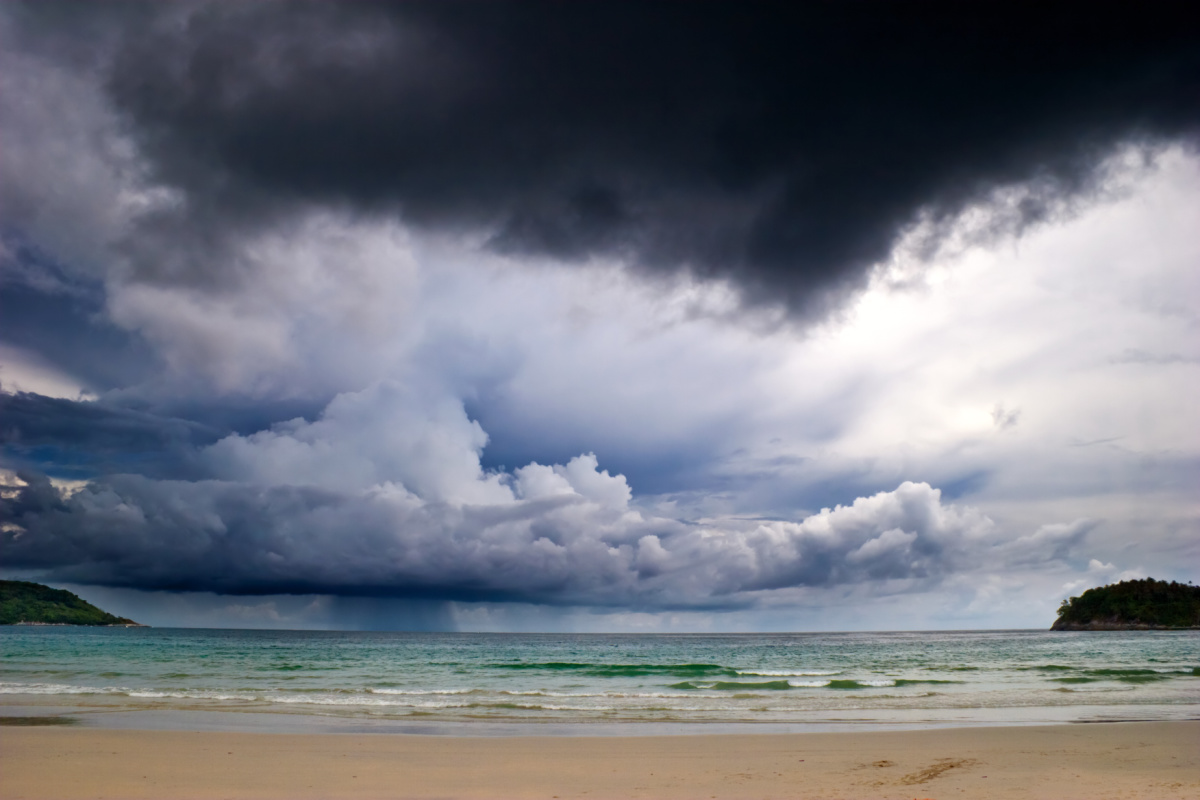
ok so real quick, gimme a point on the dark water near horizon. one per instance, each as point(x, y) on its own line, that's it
point(808, 679)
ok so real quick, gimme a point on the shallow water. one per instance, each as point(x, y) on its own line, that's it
point(767, 679)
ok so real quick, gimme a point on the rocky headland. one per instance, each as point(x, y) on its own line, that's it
point(25, 603)
point(1144, 604)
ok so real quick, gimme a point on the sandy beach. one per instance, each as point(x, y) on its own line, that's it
point(1125, 760)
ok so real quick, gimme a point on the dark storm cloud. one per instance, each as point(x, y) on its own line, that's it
point(128, 531)
point(80, 439)
point(784, 146)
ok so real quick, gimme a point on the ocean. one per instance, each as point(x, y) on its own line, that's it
point(531, 682)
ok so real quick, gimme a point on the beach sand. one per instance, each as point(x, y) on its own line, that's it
point(1117, 760)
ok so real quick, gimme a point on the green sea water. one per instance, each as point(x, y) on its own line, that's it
point(791, 679)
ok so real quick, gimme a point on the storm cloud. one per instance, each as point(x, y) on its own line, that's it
point(565, 535)
point(785, 148)
point(89, 437)
point(384, 496)
point(525, 312)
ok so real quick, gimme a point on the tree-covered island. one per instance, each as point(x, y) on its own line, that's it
point(25, 603)
point(1144, 604)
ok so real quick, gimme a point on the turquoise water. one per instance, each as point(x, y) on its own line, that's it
point(988, 676)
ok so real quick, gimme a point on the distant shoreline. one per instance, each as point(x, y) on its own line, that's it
point(24, 623)
point(1135, 605)
point(1120, 626)
point(28, 603)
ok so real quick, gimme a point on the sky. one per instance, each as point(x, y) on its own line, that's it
point(523, 316)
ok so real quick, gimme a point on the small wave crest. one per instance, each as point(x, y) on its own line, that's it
point(1128, 675)
point(735, 686)
point(418, 692)
point(623, 670)
point(907, 682)
point(725, 686)
point(767, 673)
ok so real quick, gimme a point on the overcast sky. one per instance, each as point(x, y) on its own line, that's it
point(598, 316)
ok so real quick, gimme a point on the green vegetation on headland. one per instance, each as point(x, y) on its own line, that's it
point(1131, 605)
point(24, 603)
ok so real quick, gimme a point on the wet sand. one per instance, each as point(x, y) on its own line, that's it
point(1118, 760)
